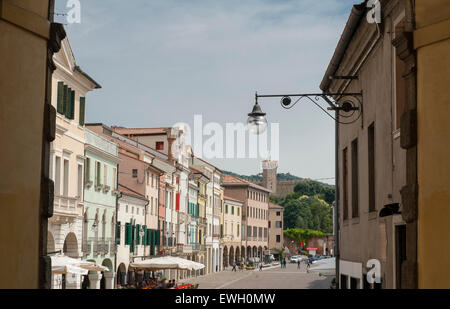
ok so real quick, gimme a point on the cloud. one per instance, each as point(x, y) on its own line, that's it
point(162, 61)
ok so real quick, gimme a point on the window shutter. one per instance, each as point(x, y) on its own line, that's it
point(158, 238)
point(68, 102)
point(65, 99)
point(144, 239)
point(82, 110)
point(138, 234)
point(72, 105)
point(60, 100)
point(118, 233)
point(178, 201)
point(127, 233)
point(133, 235)
point(88, 169)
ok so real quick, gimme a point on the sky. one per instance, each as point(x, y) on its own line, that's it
point(161, 62)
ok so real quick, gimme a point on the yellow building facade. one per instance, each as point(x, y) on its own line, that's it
point(28, 41)
point(432, 44)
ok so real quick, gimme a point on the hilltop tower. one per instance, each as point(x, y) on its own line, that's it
point(270, 175)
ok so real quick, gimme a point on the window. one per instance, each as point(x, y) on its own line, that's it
point(232, 210)
point(278, 224)
point(237, 230)
point(88, 169)
point(278, 213)
point(371, 151)
point(159, 145)
point(278, 238)
point(226, 208)
point(80, 180)
point(400, 252)
point(345, 184)
point(82, 111)
point(114, 177)
point(105, 174)
point(269, 224)
point(344, 282)
point(355, 187)
point(66, 178)
point(57, 176)
point(97, 173)
point(238, 211)
point(354, 283)
point(135, 173)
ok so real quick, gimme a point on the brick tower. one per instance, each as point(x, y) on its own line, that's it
point(270, 175)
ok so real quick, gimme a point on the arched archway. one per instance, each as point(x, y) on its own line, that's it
point(237, 254)
point(254, 252)
point(260, 252)
point(50, 243)
point(231, 254)
point(225, 256)
point(70, 247)
point(249, 252)
point(121, 274)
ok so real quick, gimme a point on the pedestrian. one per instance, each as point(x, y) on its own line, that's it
point(298, 263)
point(234, 266)
point(260, 267)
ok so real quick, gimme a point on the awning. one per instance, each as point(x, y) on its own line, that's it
point(62, 264)
point(167, 262)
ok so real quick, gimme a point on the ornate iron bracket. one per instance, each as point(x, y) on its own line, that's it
point(347, 105)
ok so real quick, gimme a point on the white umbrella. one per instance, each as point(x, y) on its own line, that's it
point(326, 267)
point(188, 263)
point(165, 262)
point(62, 264)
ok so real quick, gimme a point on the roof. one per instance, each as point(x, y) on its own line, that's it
point(141, 131)
point(233, 180)
point(232, 199)
point(131, 192)
point(352, 24)
point(275, 206)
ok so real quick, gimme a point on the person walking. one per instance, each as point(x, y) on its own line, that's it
point(234, 266)
point(260, 266)
point(298, 263)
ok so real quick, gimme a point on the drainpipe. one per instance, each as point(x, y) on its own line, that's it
point(116, 217)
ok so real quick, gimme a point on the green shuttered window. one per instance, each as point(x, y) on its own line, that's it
point(60, 98)
point(118, 233)
point(82, 110)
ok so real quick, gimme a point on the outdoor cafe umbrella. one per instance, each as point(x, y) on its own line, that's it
point(165, 262)
point(62, 264)
point(190, 264)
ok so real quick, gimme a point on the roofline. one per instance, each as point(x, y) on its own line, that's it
point(246, 184)
point(97, 85)
point(353, 21)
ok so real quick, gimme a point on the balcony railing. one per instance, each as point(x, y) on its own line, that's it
point(86, 247)
point(198, 247)
point(201, 220)
point(65, 206)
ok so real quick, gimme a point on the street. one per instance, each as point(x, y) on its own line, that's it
point(269, 278)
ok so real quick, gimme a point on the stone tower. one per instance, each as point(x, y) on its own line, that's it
point(270, 175)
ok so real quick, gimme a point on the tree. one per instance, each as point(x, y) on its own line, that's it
point(308, 212)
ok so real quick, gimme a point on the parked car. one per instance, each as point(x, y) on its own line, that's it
point(295, 258)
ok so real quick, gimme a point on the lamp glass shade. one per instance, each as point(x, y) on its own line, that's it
point(257, 124)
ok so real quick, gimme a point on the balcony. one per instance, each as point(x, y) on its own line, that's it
point(198, 247)
point(86, 247)
point(201, 221)
point(65, 209)
point(184, 248)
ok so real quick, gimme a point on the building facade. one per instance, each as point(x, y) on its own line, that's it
point(276, 226)
point(372, 163)
point(255, 214)
point(232, 231)
point(67, 160)
point(100, 201)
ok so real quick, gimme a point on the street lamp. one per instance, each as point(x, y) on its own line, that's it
point(257, 122)
point(348, 108)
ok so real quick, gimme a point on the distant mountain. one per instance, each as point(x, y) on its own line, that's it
point(259, 177)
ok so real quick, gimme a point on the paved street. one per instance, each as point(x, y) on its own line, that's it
point(269, 278)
